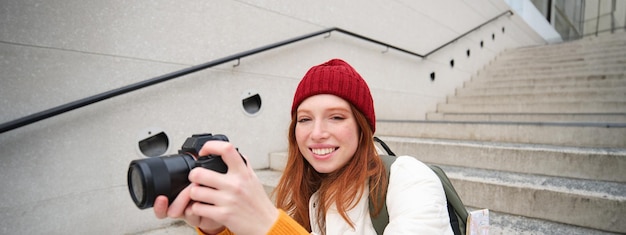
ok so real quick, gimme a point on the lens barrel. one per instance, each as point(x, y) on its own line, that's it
point(166, 175)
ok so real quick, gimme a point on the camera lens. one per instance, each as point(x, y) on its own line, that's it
point(150, 177)
point(136, 184)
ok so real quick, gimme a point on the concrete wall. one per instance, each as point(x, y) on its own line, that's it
point(534, 18)
point(67, 174)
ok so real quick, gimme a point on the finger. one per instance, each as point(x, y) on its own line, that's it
point(229, 153)
point(206, 178)
point(206, 195)
point(160, 207)
point(207, 211)
point(191, 218)
point(178, 206)
point(207, 225)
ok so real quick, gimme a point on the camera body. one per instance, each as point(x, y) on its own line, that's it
point(192, 146)
point(168, 175)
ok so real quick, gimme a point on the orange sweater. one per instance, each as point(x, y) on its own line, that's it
point(284, 225)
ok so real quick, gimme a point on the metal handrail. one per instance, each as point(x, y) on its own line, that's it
point(4, 127)
point(468, 32)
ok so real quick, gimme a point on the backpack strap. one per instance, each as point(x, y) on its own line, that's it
point(456, 209)
point(384, 145)
point(381, 220)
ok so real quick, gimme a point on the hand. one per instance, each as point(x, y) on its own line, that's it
point(177, 209)
point(235, 199)
point(181, 208)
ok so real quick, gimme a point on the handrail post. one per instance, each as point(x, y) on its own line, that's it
point(598, 18)
point(613, 16)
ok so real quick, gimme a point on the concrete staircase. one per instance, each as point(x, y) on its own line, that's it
point(538, 137)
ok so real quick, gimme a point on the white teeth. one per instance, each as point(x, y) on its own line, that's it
point(323, 151)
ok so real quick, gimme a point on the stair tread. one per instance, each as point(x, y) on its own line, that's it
point(530, 113)
point(514, 123)
point(503, 223)
point(558, 82)
point(529, 107)
point(479, 91)
point(269, 177)
point(589, 134)
point(582, 162)
point(493, 75)
point(596, 188)
point(594, 92)
point(528, 117)
point(505, 145)
point(602, 189)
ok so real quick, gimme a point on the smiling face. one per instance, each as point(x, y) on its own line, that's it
point(326, 132)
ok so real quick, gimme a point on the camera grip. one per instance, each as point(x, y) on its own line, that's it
point(214, 163)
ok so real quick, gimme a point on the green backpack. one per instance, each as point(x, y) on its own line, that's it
point(456, 209)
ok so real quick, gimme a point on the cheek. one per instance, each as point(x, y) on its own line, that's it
point(350, 136)
point(354, 142)
point(298, 133)
point(301, 135)
point(350, 131)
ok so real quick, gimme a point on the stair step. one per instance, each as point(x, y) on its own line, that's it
point(552, 107)
point(587, 203)
point(567, 134)
point(269, 179)
point(579, 47)
point(553, 86)
point(505, 224)
point(613, 118)
point(607, 59)
point(278, 160)
point(589, 81)
point(587, 96)
point(486, 77)
point(567, 49)
point(533, 90)
point(582, 163)
point(509, 188)
point(557, 66)
point(563, 56)
point(521, 72)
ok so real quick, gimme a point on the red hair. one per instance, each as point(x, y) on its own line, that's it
point(343, 188)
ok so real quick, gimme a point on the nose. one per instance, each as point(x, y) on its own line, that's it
point(320, 131)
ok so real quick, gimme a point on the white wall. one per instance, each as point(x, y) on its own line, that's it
point(67, 174)
point(527, 10)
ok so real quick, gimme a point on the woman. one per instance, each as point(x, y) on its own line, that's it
point(332, 173)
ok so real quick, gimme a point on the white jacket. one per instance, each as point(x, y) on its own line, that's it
point(416, 204)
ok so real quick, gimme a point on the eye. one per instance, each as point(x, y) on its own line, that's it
point(303, 119)
point(337, 117)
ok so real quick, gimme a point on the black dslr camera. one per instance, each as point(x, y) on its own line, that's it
point(168, 175)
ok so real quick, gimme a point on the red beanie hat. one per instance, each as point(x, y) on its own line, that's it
point(336, 77)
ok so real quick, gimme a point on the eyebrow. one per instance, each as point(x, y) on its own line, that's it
point(339, 109)
point(331, 109)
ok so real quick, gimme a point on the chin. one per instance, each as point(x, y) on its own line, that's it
point(323, 169)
